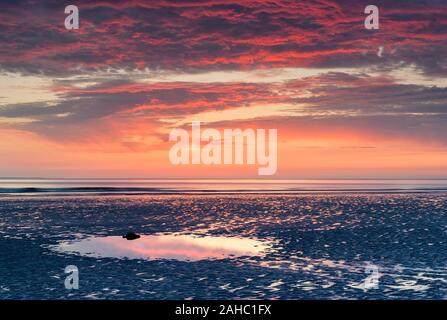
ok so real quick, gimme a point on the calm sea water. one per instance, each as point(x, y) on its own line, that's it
point(224, 240)
point(150, 186)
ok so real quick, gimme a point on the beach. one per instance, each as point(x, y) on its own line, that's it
point(225, 246)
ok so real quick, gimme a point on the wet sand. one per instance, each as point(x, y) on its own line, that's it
point(312, 246)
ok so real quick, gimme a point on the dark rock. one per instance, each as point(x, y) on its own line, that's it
point(131, 236)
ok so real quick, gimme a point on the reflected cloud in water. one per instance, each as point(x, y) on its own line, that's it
point(166, 246)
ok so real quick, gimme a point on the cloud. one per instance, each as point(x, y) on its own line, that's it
point(219, 35)
point(359, 101)
point(135, 68)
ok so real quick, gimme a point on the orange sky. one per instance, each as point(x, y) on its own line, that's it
point(309, 157)
point(347, 102)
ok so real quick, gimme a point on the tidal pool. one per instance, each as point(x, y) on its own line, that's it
point(166, 246)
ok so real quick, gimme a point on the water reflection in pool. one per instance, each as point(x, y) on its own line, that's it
point(166, 246)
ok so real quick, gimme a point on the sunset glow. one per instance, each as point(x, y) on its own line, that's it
point(100, 101)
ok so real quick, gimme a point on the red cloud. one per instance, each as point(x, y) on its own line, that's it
point(213, 35)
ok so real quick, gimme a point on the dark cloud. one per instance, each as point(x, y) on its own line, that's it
point(355, 100)
point(216, 35)
point(196, 36)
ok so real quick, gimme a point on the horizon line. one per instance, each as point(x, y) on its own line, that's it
point(214, 178)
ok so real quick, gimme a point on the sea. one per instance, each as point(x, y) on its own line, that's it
point(223, 239)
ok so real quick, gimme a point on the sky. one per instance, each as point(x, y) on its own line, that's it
point(100, 101)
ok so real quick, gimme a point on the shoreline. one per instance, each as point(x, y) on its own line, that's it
point(95, 193)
